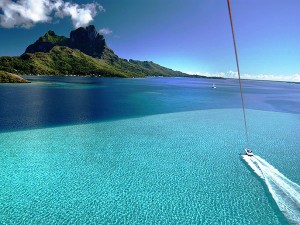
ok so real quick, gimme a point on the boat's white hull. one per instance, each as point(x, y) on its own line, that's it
point(249, 152)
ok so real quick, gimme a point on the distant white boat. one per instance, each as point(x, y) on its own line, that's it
point(213, 86)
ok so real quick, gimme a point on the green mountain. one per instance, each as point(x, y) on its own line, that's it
point(84, 53)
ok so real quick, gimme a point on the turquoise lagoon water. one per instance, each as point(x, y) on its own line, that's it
point(172, 158)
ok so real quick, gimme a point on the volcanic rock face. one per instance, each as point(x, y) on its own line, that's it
point(85, 34)
point(88, 40)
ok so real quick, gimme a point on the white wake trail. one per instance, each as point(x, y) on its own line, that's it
point(285, 192)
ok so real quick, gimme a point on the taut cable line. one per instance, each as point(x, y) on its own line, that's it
point(238, 68)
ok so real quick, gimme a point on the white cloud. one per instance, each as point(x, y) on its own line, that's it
point(232, 74)
point(105, 31)
point(26, 13)
point(81, 15)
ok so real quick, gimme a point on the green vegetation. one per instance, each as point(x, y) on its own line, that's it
point(62, 60)
point(51, 37)
point(6, 77)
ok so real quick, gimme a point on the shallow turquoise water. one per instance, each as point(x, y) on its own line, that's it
point(173, 168)
point(143, 151)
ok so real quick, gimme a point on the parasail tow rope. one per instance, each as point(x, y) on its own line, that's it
point(238, 68)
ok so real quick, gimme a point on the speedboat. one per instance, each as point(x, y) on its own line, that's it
point(248, 152)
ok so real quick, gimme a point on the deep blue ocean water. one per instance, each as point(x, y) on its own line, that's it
point(143, 151)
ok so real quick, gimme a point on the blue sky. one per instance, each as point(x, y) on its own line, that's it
point(187, 35)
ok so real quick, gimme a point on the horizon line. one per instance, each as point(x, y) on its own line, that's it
point(260, 77)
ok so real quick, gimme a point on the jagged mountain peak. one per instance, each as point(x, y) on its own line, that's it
point(51, 33)
point(88, 40)
point(88, 34)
